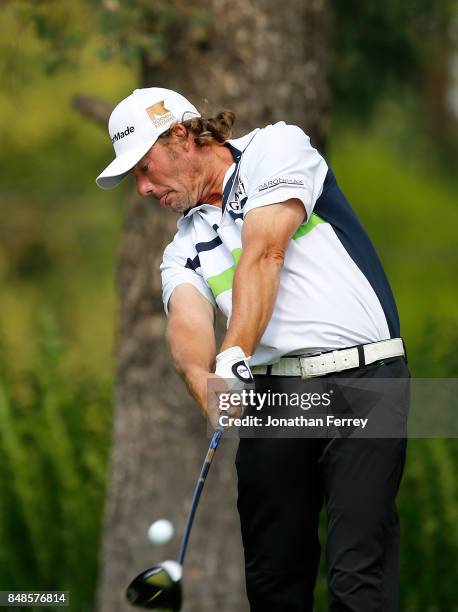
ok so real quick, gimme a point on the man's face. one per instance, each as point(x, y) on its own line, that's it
point(169, 171)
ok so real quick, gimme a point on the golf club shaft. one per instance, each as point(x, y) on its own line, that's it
point(197, 491)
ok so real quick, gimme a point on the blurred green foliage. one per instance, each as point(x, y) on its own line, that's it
point(130, 30)
point(410, 211)
point(58, 242)
point(384, 45)
point(54, 442)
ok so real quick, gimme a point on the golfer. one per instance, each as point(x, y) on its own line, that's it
point(266, 235)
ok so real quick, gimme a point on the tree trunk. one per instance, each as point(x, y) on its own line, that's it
point(266, 62)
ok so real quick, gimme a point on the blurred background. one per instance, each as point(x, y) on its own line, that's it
point(384, 110)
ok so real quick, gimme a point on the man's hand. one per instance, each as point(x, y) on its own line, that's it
point(232, 374)
point(232, 365)
point(206, 388)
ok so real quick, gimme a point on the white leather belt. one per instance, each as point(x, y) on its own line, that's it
point(333, 361)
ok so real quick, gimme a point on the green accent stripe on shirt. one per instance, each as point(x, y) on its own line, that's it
point(223, 281)
point(305, 229)
point(236, 255)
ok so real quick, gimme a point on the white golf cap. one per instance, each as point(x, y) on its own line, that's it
point(135, 125)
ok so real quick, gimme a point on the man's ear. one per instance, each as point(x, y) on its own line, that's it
point(180, 132)
point(181, 136)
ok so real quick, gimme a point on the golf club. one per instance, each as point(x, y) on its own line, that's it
point(159, 586)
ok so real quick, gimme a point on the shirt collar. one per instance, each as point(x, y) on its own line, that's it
point(236, 156)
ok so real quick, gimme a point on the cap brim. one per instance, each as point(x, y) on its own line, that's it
point(120, 167)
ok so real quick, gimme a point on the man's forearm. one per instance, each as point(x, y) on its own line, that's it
point(193, 353)
point(254, 293)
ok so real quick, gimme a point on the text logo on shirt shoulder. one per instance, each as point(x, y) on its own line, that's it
point(279, 181)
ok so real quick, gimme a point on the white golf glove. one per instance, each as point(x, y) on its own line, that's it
point(232, 365)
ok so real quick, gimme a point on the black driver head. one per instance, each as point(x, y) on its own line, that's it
point(157, 588)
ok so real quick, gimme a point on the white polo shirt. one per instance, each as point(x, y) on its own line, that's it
point(333, 292)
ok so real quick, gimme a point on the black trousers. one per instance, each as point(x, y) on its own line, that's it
point(283, 483)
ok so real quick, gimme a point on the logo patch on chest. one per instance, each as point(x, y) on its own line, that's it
point(238, 199)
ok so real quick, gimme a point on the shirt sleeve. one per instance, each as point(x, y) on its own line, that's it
point(177, 269)
point(282, 164)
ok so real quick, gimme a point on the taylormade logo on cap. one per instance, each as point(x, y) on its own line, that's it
point(119, 135)
point(135, 125)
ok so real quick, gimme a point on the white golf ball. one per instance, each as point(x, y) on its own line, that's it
point(161, 531)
